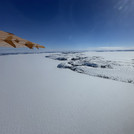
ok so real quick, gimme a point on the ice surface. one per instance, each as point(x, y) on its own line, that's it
point(99, 66)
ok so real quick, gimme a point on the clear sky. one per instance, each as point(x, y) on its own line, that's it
point(70, 23)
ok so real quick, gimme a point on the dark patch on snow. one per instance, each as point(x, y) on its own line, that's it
point(90, 64)
point(78, 58)
point(61, 58)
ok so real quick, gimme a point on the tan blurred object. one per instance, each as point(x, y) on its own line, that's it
point(11, 40)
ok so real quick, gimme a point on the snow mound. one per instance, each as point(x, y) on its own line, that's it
point(98, 66)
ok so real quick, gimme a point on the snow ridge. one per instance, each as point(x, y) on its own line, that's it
point(97, 66)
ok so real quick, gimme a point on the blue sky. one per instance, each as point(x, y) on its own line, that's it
point(77, 24)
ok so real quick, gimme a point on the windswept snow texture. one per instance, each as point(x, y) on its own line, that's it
point(36, 97)
point(118, 69)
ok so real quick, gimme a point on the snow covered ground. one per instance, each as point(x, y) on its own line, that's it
point(36, 97)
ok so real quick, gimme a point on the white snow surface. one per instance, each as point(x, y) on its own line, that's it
point(36, 97)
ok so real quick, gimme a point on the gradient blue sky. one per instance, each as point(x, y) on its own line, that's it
point(70, 23)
